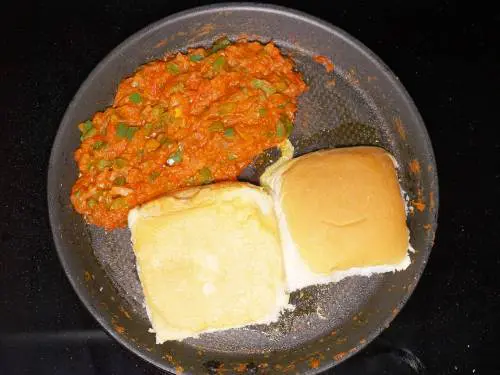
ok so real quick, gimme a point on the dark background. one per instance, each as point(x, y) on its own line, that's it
point(446, 56)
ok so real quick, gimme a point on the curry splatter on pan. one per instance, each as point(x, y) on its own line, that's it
point(359, 103)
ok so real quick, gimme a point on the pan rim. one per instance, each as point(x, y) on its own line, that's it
point(210, 9)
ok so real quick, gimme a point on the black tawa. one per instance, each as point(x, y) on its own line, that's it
point(360, 103)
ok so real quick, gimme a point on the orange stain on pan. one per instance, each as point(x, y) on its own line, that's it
point(399, 127)
point(241, 367)
point(125, 312)
point(161, 43)
point(339, 356)
point(419, 202)
point(419, 205)
point(331, 83)
point(118, 328)
point(314, 363)
point(325, 61)
point(432, 202)
point(415, 166)
point(205, 29)
point(170, 358)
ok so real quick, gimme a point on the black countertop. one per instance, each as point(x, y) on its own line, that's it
point(446, 56)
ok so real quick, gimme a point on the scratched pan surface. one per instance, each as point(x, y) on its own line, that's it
point(360, 103)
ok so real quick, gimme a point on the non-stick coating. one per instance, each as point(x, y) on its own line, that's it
point(359, 103)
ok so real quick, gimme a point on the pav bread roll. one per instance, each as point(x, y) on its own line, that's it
point(341, 213)
point(209, 258)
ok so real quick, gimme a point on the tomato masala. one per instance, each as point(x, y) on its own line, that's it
point(190, 119)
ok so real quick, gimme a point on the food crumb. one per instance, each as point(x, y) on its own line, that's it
point(325, 61)
point(415, 166)
point(87, 276)
point(419, 205)
point(331, 83)
point(314, 363)
point(240, 368)
point(339, 356)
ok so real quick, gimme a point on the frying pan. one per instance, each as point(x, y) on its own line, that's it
point(360, 103)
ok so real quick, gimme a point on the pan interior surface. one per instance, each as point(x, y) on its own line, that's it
point(359, 103)
point(328, 115)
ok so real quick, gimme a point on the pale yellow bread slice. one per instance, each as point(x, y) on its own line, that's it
point(341, 213)
point(209, 259)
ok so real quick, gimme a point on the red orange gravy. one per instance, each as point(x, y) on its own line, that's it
point(189, 119)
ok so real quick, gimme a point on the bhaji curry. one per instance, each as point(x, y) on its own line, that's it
point(186, 120)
